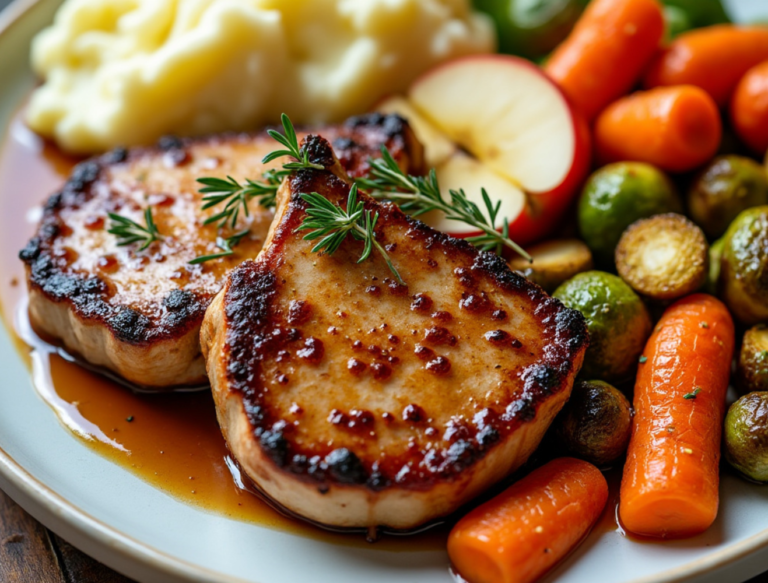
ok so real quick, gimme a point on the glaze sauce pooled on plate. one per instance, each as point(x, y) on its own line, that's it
point(170, 440)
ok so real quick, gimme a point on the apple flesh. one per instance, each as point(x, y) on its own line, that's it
point(514, 133)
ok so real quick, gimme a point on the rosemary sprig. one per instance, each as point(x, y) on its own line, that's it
point(333, 223)
point(418, 195)
point(237, 195)
point(129, 231)
point(226, 246)
point(291, 143)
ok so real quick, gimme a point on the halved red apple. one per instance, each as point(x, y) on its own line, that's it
point(515, 134)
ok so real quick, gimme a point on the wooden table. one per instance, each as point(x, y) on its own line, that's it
point(30, 553)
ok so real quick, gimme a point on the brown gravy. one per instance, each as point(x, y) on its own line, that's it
point(172, 441)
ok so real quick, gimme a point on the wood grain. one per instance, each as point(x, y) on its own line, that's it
point(26, 553)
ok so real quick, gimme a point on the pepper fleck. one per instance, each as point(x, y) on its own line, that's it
point(129, 419)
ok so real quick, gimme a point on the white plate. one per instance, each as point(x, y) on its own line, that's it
point(137, 529)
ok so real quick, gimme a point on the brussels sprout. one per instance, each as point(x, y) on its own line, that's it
point(531, 28)
point(664, 257)
point(752, 370)
point(596, 422)
point(746, 436)
point(727, 186)
point(554, 262)
point(617, 320)
point(744, 266)
point(616, 196)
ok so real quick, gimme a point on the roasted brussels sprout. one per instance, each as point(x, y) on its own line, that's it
point(746, 436)
point(664, 257)
point(554, 262)
point(752, 370)
point(616, 196)
point(727, 186)
point(596, 423)
point(617, 320)
point(744, 266)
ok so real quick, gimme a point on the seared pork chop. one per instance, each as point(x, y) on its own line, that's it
point(138, 313)
point(353, 400)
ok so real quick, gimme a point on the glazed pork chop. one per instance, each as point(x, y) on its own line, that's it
point(138, 313)
point(356, 401)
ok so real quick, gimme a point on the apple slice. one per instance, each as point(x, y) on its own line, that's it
point(517, 123)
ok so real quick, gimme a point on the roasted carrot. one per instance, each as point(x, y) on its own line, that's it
point(670, 482)
point(713, 58)
point(674, 128)
point(521, 533)
point(607, 51)
point(749, 108)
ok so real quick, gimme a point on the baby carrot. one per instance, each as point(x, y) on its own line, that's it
point(713, 58)
point(749, 108)
point(674, 128)
point(607, 51)
point(521, 533)
point(670, 482)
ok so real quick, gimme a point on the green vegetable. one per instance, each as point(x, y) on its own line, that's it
point(727, 186)
point(617, 320)
point(682, 15)
point(596, 423)
point(743, 281)
point(746, 436)
point(752, 369)
point(663, 257)
point(531, 28)
point(616, 196)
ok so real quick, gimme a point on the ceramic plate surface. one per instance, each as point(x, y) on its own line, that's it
point(139, 530)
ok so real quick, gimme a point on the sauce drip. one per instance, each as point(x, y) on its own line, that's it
point(171, 441)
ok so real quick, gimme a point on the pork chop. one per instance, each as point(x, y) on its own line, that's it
point(356, 401)
point(138, 313)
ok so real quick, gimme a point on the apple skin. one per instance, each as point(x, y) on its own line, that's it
point(542, 210)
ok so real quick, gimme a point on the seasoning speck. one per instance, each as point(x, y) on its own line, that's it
point(642, 359)
point(129, 419)
point(692, 395)
point(703, 324)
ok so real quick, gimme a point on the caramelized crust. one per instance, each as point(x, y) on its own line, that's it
point(354, 400)
point(138, 313)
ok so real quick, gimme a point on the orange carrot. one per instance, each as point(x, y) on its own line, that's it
point(607, 51)
point(670, 482)
point(713, 58)
point(674, 128)
point(521, 533)
point(749, 108)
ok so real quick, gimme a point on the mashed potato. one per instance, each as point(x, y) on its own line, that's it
point(124, 72)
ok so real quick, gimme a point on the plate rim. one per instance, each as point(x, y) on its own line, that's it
point(114, 545)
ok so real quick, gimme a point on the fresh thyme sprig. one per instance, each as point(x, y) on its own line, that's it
point(291, 143)
point(333, 223)
point(237, 195)
point(129, 231)
point(418, 195)
point(226, 246)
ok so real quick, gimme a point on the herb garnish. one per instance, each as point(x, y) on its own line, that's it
point(642, 359)
point(291, 142)
point(129, 231)
point(225, 245)
point(692, 395)
point(333, 223)
point(418, 195)
point(237, 196)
